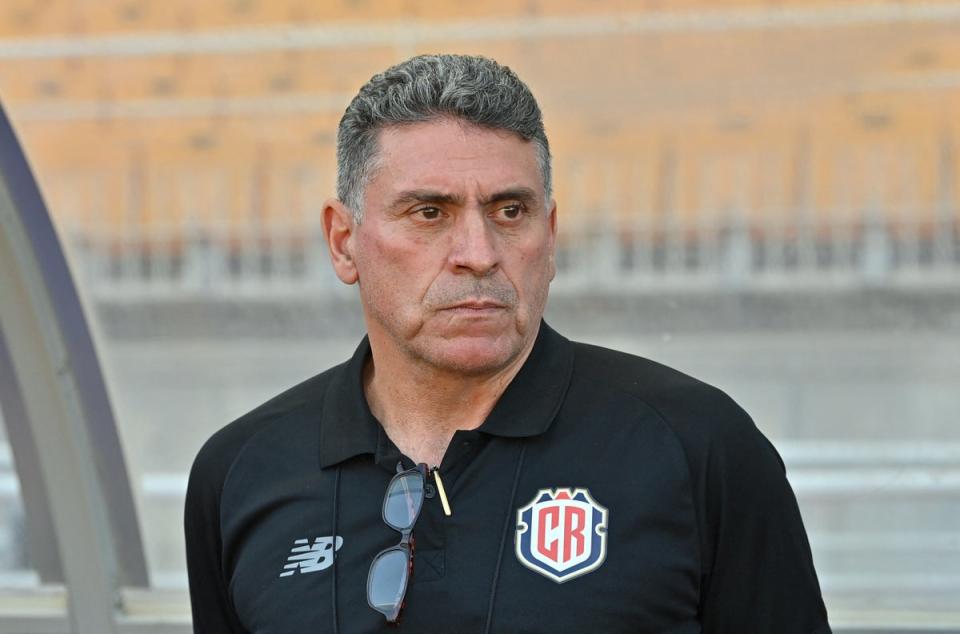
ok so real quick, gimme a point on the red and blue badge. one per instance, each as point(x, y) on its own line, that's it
point(562, 534)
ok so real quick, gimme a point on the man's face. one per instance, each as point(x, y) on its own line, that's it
point(454, 255)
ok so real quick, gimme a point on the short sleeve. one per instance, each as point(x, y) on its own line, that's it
point(209, 599)
point(759, 575)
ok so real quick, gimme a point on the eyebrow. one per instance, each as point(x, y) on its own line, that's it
point(523, 194)
point(426, 196)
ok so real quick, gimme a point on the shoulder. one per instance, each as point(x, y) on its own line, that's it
point(202, 519)
point(680, 399)
point(218, 454)
point(707, 422)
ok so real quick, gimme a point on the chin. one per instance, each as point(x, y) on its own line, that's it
point(474, 355)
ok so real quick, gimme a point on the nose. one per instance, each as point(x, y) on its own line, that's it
point(474, 247)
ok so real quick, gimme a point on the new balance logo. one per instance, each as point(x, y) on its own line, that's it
point(307, 557)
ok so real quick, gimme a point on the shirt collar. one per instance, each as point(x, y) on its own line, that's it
point(526, 408)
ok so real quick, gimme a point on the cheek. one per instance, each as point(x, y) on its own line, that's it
point(536, 270)
point(379, 254)
point(389, 264)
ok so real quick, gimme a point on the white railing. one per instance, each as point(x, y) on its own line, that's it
point(823, 474)
point(872, 250)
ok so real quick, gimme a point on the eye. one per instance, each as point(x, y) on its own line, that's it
point(428, 213)
point(511, 211)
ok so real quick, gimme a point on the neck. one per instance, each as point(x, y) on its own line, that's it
point(421, 406)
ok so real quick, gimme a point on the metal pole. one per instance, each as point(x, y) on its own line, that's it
point(65, 403)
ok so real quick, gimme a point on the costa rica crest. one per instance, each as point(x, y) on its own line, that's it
point(562, 533)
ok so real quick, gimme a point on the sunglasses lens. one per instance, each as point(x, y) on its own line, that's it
point(402, 502)
point(387, 582)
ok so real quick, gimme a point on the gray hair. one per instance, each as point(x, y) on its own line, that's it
point(477, 90)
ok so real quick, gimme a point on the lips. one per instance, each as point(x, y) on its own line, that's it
point(477, 305)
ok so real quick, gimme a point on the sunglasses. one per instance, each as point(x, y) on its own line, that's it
point(392, 568)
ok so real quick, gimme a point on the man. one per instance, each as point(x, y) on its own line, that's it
point(550, 486)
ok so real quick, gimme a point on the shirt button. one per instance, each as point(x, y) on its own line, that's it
point(429, 491)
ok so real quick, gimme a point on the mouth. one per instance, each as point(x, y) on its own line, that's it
point(476, 305)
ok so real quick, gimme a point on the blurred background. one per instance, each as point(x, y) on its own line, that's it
point(763, 194)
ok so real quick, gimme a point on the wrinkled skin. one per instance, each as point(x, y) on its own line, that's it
point(455, 252)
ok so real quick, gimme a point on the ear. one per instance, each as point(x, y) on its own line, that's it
point(553, 238)
point(339, 228)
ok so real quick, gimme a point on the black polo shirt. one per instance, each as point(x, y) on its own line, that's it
point(604, 493)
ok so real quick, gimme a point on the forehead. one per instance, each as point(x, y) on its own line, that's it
point(452, 155)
